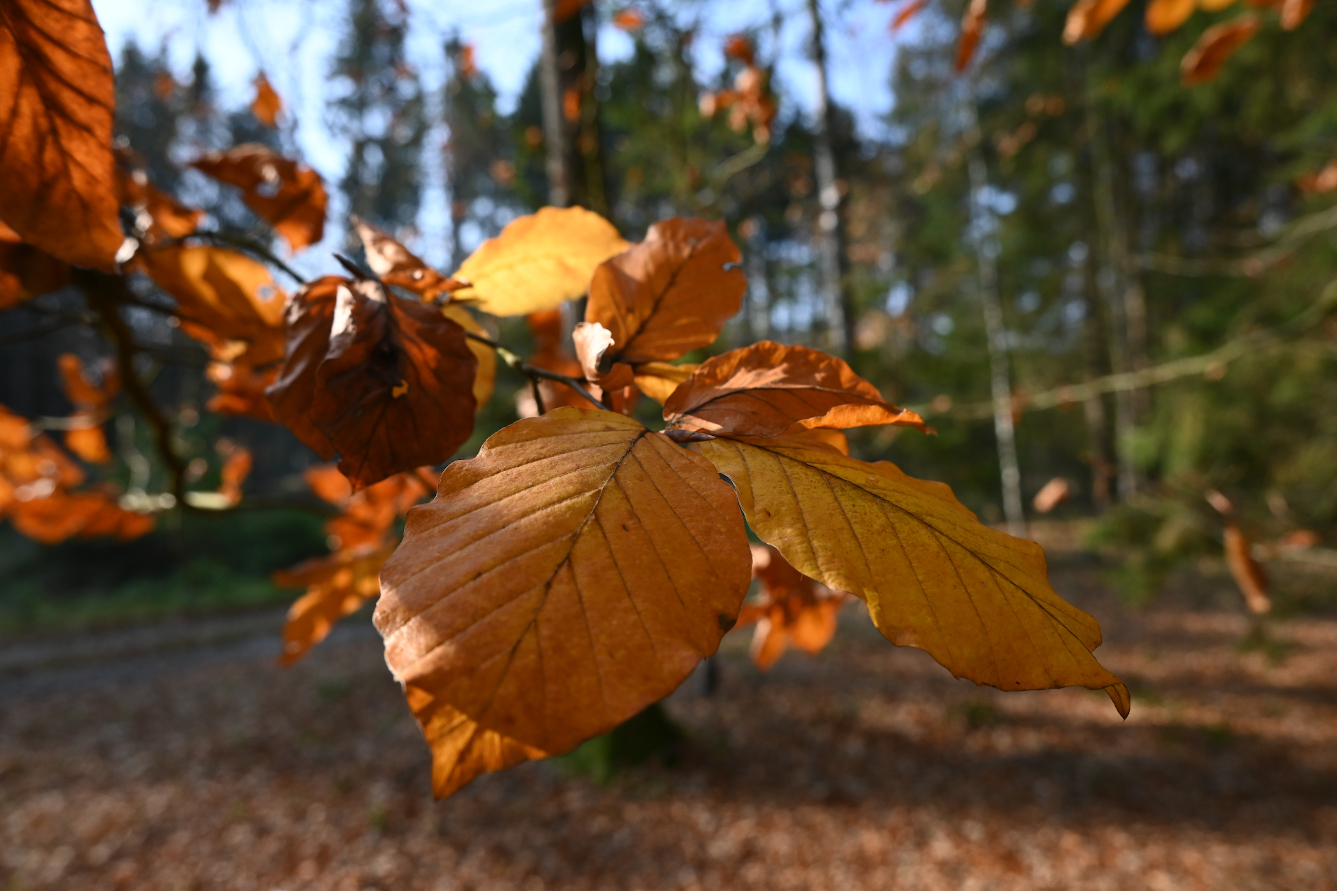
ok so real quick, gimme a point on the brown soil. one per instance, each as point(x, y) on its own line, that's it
point(868, 767)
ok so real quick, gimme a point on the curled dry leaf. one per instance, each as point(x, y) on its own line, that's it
point(1217, 44)
point(224, 298)
point(266, 105)
point(90, 401)
point(767, 389)
point(56, 100)
point(1164, 16)
point(972, 24)
point(396, 265)
point(538, 261)
point(287, 195)
point(670, 294)
point(574, 572)
point(25, 271)
point(933, 576)
point(791, 609)
point(1087, 18)
point(394, 390)
point(1247, 572)
point(336, 586)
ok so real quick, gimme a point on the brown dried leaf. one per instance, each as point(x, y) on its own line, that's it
point(368, 513)
point(933, 576)
point(158, 216)
point(767, 389)
point(336, 586)
point(64, 515)
point(396, 265)
point(658, 380)
point(237, 463)
point(25, 271)
point(972, 24)
point(287, 195)
point(791, 609)
point(241, 390)
point(905, 15)
point(538, 261)
point(1217, 44)
point(574, 572)
point(670, 294)
point(56, 100)
point(306, 323)
point(1247, 572)
point(394, 390)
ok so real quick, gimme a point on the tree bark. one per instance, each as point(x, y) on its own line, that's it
point(571, 128)
point(830, 251)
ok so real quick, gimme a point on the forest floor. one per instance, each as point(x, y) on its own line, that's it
point(181, 757)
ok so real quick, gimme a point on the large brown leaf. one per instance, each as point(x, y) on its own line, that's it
point(225, 298)
point(670, 294)
point(767, 389)
point(573, 573)
point(287, 195)
point(933, 576)
point(57, 99)
point(306, 324)
point(538, 261)
point(1214, 48)
point(395, 389)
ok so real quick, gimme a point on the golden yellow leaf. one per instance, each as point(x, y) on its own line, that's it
point(934, 577)
point(538, 261)
point(56, 102)
point(574, 572)
point(1164, 16)
point(658, 380)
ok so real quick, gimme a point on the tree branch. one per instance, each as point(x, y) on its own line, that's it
point(533, 372)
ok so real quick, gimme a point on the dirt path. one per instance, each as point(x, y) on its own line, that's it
point(199, 765)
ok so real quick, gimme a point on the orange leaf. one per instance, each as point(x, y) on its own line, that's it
point(1247, 571)
point(86, 395)
point(287, 195)
point(266, 105)
point(1217, 44)
point(1088, 18)
point(223, 297)
point(306, 324)
point(237, 463)
point(241, 390)
point(658, 380)
point(336, 586)
point(574, 572)
point(394, 389)
point(1164, 16)
point(26, 272)
point(538, 262)
point(395, 265)
point(791, 609)
point(669, 294)
point(903, 17)
point(1051, 495)
point(629, 20)
point(368, 513)
point(933, 576)
point(739, 47)
point(972, 24)
point(766, 389)
point(56, 101)
point(1294, 12)
point(158, 216)
point(63, 515)
point(564, 9)
point(88, 443)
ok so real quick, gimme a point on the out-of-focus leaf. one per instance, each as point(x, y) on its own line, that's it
point(1247, 572)
point(767, 389)
point(25, 271)
point(336, 586)
point(369, 513)
point(90, 402)
point(395, 388)
point(972, 25)
point(158, 216)
point(396, 265)
point(1294, 12)
point(933, 576)
point(241, 390)
point(64, 515)
point(905, 15)
point(538, 261)
point(56, 101)
point(1217, 44)
point(791, 609)
point(266, 105)
point(574, 572)
point(306, 323)
point(287, 195)
point(1088, 18)
point(658, 380)
point(237, 463)
point(1164, 16)
point(225, 298)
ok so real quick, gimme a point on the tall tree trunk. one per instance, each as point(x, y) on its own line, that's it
point(571, 132)
point(1000, 373)
point(1097, 426)
point(830, 251)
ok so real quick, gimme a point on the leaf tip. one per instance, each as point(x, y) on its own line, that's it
point(1118, 694)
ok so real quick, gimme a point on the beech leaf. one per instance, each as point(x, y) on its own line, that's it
point(972, 25)
point(574, 572)
point(306, 324)
point(396, 265)
point(25, 271)
point(766, 389)
point(395, 388)
point(1214, 48)
point(57, 99)
point(1087, 18)
point(538, 261)
point(934, 577)
point(287, 195)
point(791, 610)
point(1164, 16)
point(266, 105)
point(670, 294)
point(336, 586)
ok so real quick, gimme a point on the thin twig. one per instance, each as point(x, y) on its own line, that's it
point(532, 371)
point(245, 243)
